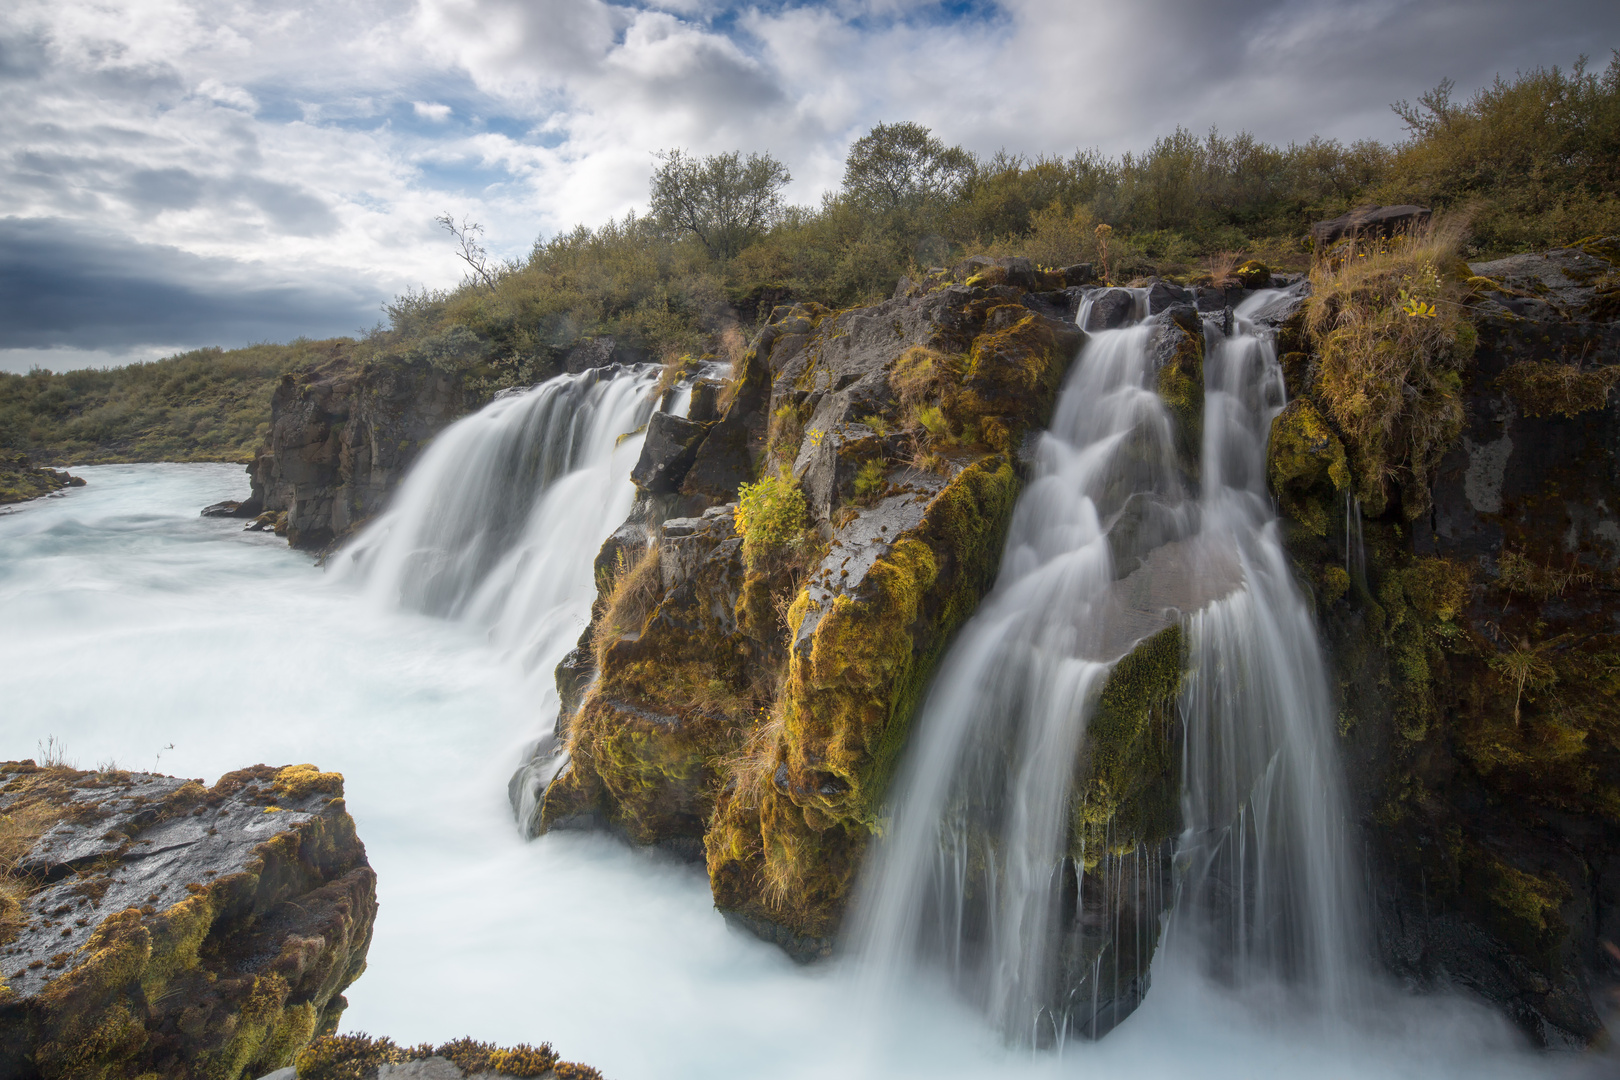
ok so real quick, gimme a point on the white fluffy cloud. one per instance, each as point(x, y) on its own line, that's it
point(314, 143)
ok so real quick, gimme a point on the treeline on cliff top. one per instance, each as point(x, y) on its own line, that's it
point(1533, 159)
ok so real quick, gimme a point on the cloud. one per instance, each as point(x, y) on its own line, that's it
point(62, 285)
point(279, 143)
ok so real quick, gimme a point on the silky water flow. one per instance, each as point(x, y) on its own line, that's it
point(982, 871)
point(500, 522)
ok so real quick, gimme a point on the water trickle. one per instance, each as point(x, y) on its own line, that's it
point(1355, 549)
point(981, 872)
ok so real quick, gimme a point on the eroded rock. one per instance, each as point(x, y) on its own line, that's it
point(158, 927)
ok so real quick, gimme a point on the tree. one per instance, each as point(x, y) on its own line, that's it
point(472, 250)
point(725, 200)
point(902, 166)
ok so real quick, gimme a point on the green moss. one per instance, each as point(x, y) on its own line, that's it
point(1253, 274)
point(1130, 783)
point(1307, 466)
point(1523, 908)
point(1181, 388)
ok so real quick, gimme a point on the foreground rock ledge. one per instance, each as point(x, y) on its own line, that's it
point(154, 927)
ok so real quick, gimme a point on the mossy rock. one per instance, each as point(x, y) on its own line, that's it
point(1128, 787)
point(1253, 274)
point(1307, 467)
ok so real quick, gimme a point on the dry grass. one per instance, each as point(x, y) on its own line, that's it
point(1394, 338)
point(637, 588)
point(752, 766)
point(33, 811)
point(1553, 389)
point(676, 367)
point(1518, 574)
point(1220, 268)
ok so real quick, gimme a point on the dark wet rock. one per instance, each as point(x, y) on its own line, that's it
point(670, 448)
point(341, 439)
point(599, 352)
point(1110, 310)
point(1372, 221)
point(705, 404)
point(1165, 294)
point(1493, 859)
point(247, 508)
point(214, 929)
point(1077, 275)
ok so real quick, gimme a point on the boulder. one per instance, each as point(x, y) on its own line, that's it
point(154, 926)
point(1110, 310)
point(1164, 294)
point(669, 450)
point(1371, 221)
point(248, 508)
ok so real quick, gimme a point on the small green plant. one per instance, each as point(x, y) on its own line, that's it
point(870, 479)
point(932, 420)
point(770, 513)
point(878, 424)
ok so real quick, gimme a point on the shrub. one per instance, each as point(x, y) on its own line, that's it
point(770, 514)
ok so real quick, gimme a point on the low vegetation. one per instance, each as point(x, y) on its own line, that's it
point(358, 1056)
point(1394, 341)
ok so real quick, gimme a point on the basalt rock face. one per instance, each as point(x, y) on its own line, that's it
point(751, 699)
point(1477, 648)
point(150, 926)
point(341, 438)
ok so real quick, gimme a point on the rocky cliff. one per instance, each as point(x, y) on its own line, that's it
point(808, 539)
point(343, 435)
point(1473, 624)
point(150, 926)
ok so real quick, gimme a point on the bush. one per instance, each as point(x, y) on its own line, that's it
point(770, 514)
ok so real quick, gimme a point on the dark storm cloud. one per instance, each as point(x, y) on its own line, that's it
point(61, 285)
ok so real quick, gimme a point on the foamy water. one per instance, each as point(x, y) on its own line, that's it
point(129, 625)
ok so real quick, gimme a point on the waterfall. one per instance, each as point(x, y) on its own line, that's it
point(1265, 892)
point(500, 520)
point(979, 874)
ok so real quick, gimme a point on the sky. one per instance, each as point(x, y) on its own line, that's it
point(176, 173)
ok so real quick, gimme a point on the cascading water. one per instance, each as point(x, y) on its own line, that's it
point(981, 871)
point(499, 522)
point(972, 873)
point(1265, 893)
